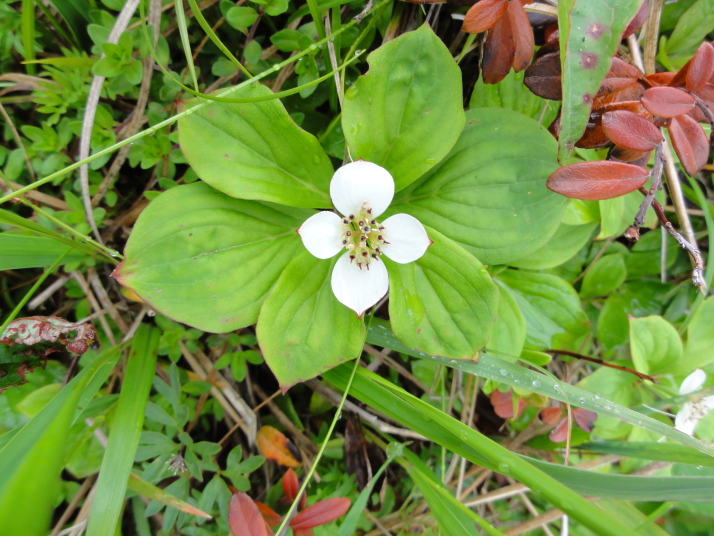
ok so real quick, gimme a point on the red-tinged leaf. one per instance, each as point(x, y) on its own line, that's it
point(560, 432)
point(523, 34)
point(484, 15)
point(45, 331)
point(631, 131)
point(584, 418)
point(621, 75)
point(552, 32)
point(543, 77)
point(291, 486)
point(638, 20)
point(275, 446)
point(706, 93)
point(667, 101)
point(660, 79)
point(244, 517)
point(271, 517)
point(503, 404)
point(595, 181)
point(701, 67)
point(690, 142)
point(499, 49)
point(307, 532)
point(320, 513)
point(551, 415)
point(636, 158)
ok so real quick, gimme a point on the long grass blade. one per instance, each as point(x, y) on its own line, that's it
point(28, 33)
point(185, 43)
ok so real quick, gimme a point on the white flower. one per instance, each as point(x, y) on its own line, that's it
point(693, 410)
point(361, 192)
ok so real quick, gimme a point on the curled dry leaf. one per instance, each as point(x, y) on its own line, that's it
point(631, 131)
point(35, 330)
point(522, 34)
point(244, 517)
point(484, 15)
point(667, 101)
point(595, 181)
point(690, 142)
point(275, 446)
point(320, 513)
point(499, 50)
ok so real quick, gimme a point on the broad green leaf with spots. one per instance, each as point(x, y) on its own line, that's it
point(488, 195)
point(303, 330)
point(256, 151)
point(590, 33)
point(444, 303)
point(211, 263)
point(406, 113)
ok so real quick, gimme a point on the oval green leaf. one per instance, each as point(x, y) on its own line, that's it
point(206, 259)
point(444, 303)
point(655, 344)
point(256, 151)
point(407, 112)
point(488, 195)
point(302, 329)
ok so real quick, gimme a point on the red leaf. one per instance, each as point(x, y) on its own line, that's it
point(690, 142)
point(543, 77)
point(499, 49)
point(523, 34)
point(560, 433)
point(594, 181)
point(661, 79)
point(271, 517)
point(667, 101)
point(631, 131)
point(291, 486)
point(502, 403)
point(320, 513)
point(620, 76)
point(551, 415)
point(637, 21)
point(637, 158)
point(483, 15)
point(701, 67)
point(244, 517)
point(584, 418)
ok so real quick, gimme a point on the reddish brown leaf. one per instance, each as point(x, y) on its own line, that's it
point(483, 15)
point(631, 131)
point(667, 101)
point(701, 67)
point(543, 77)
point(585, 418)
point(244, 517)
point(291, 486)
point(690, 142)
point(638, 20)
point(594, 181)
point(636, 158)
point(499, 49)
point(620, 76)
point(660, 79)
point(560, 432)
point(275, 446)
point(503, 404)
point(320, 513)
point(551, 415)
point(271, 517)
point(523, 34)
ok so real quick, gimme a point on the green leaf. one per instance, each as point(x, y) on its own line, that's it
point(661, 452)
point(255, 151)
point(302, 329)
point(444, 303)
point(241, 17)
point(551, 307)
point(488, 194)
point(654, 344)
point(590, 33)
point(287, 40)
point(699, 350)
point(604, 276)
point(206, 259)
point(691, 29)
point(406, 113)
point(124, 436)
point(565, 243)
point(511, 93)
point(509, 330)
point(23, 251)
point(645, 257)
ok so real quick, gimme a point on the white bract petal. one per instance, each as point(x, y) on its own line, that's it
point(361, 182)
point(322, 234)
point(684, 421)
point(359, 289)
point(693, 382)
point(708, 402)
point(406, 237)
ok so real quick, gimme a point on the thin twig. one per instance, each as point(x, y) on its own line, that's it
point(656, 185)
point(652, 35)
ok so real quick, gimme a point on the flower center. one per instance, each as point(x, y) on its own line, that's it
point(363, 237)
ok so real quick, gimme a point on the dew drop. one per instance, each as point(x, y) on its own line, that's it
point(582, 400)
point(556, 388)
point(503, 372)
point(504, 468)
point(536, 383)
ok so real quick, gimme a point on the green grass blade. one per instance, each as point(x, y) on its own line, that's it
point(139, 485)
point(28, 33)
point(423, 418)
point(76, 14)
point(660, 452)
point(124, 436)
point(31, 461)
point(494, 368)
point(183, 32)
point(22, 251)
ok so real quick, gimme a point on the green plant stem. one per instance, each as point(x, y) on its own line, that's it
point(32, 291)
point(309, 474)
point(183, 32)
